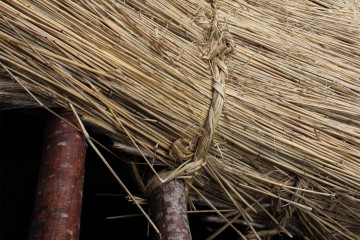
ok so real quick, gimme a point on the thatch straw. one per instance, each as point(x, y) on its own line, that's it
point(286, 148)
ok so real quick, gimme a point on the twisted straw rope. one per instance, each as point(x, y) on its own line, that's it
point(216, 51)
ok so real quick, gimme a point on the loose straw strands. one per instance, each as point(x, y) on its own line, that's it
point(289, 130)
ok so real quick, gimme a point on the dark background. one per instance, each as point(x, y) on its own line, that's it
point(21, 132)
point(21, 146)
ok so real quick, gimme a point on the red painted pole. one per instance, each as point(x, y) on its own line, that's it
point(58, 199)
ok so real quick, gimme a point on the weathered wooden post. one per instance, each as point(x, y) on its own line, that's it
point(169, 210)
point(58, 197)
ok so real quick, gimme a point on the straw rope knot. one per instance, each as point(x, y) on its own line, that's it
point(181, 150)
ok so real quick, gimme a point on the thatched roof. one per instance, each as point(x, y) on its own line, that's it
point(255, 103)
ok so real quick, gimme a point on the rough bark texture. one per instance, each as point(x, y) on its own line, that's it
point(169, 211)
point(58, 197)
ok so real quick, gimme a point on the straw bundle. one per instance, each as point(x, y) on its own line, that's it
point(268, 129)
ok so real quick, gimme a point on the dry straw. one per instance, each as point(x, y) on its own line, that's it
point(285, 153)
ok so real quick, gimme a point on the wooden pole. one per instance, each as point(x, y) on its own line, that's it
point(58, 199)
point(169, 210)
